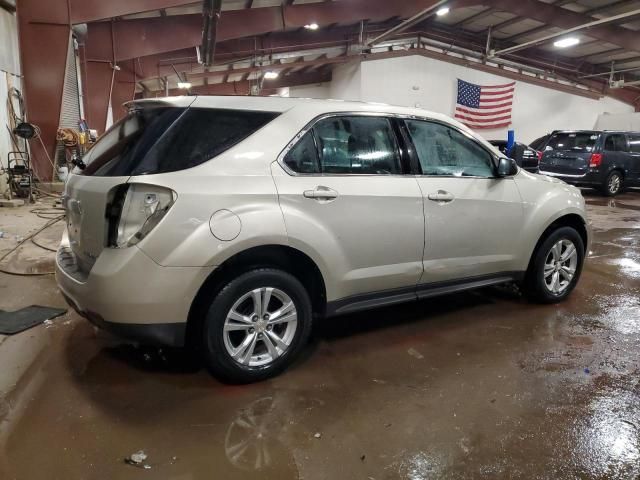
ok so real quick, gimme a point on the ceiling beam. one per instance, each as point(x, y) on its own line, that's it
point(518, 18)
point(276, 67)
point(592, 24)
point(609, 7)
point(414, 19)
point(8, 6)
point(478, 16)
point(210, 18)
point(148, 36)
point(622, 61)
point(555, 16)
point(587, 13)
point(611, 51)
point(83, 11)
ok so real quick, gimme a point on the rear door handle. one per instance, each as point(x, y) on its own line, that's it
point(321, 193)
point(441, 196)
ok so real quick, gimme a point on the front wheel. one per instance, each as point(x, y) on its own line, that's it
point(613, 185)
point(556, 266)
point(256, 326)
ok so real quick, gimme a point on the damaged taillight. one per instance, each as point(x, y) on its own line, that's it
point(135, 210)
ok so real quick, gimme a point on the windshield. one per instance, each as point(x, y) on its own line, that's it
point(572, 141)
point(167, 139)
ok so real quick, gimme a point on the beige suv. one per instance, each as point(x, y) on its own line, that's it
point(230, 224)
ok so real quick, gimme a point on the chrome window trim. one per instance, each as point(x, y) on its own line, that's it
point(311, 124)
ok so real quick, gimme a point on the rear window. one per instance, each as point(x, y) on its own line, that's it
point(167, 139)
point(539, 143)
point(573, 141)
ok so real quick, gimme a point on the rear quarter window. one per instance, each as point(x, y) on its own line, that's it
point(168, 139)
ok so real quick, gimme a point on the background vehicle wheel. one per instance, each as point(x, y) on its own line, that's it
point(555, 267)
point(614, 184)
point(256, 326)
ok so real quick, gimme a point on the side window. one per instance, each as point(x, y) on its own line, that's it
point(445, 151)
point(615, 143)
point(303, 157)
point(357, 145)
point(634, 143)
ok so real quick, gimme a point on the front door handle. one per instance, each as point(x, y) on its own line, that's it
point(441, 196)
point(321, 193)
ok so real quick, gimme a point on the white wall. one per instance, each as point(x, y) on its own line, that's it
point(620, 121)
point(9, 71)
point(417, 81)
point(317, 90)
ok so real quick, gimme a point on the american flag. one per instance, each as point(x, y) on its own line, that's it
point(486, 106)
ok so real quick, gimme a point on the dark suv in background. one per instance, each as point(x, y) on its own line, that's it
point(605, 160)
point(525, 156)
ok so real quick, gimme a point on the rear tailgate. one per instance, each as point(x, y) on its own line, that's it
point(569, 153)
point(85, 200)
point(565, 163)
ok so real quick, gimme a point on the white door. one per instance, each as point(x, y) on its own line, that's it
point(473, 219)
point(347, 204)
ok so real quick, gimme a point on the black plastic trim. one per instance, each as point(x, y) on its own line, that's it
point(162, 334)
point(356, 303)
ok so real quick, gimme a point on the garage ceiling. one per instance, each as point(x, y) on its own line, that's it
point(259, 35)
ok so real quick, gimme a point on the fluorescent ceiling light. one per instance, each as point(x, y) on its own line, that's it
point(311, 26)
point(442, 11)
point(185, 85)
point(270, 75)
point(566, 42)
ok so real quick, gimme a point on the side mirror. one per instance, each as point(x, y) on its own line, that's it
point(507, 166)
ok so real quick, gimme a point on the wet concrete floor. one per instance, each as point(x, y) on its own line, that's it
point(474, 385)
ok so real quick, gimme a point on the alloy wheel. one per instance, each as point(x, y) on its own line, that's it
point(260, 327)
point(560, 266)
point(614, 184)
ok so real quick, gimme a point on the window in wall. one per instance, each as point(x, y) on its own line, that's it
point(357, 145)
point(445, 151)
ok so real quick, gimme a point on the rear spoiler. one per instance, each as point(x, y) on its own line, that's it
point(182, 102)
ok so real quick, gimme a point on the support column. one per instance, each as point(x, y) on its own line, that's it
point(43, 56)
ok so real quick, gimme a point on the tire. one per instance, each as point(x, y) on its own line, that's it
point(543, 289)
point(613, 185)
point(258, 354)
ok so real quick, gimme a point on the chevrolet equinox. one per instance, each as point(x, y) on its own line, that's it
point(230, 224)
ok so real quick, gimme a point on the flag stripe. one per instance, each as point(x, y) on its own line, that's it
point(497, 92)
point(499, 105)
point(506, 85)
point(500, 99)
point(484, 125)
point(471, 119)
point(484, 106)
point(483, 114)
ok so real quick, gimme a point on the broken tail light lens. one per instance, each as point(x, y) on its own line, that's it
point(141, 210)
point(596, 160)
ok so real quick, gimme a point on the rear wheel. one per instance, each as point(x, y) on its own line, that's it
point(614, 184)
point(256, 326)
point(556, 266)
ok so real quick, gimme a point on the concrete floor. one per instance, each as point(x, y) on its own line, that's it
point(474, 385)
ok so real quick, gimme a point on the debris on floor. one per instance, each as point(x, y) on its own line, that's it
point(318, 435)
point(414, 353)
point(137, 460)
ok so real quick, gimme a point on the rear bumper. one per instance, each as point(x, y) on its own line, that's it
point(587, 179)
point(130, 295)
